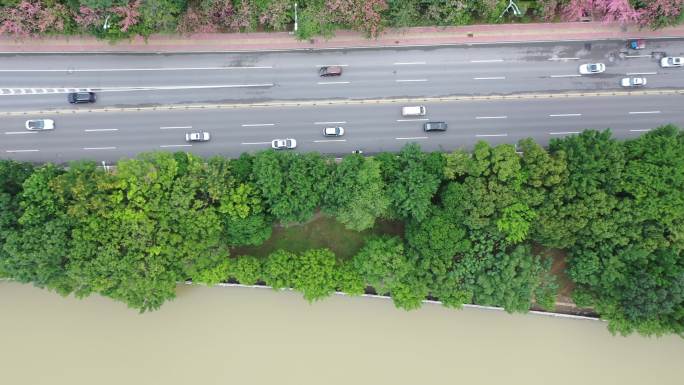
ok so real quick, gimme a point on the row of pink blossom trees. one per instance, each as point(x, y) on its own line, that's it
point(35, 17)
point(654, 13)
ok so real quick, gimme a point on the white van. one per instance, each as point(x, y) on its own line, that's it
point(413, 111)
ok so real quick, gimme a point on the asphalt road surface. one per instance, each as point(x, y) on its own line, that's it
point(372, 127)
point(40, 82)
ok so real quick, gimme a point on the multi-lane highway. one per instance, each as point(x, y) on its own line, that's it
point(40, 81)
point(35, 86)
point(372, 127)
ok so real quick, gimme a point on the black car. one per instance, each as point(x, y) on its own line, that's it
point(435, 126)
point(81, 97)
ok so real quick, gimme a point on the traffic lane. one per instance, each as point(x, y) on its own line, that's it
point(365, 112)
point(335, 89)
point(140, 98)
point(119, 67)
point(80, 61)
point(139, 78)
point(245, 119)
point(369, 127)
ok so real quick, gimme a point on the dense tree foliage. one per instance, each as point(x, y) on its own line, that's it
point(356, 196)
point(12, 177)
point(116, 19)
point(470, 218)
point(626, 233)
point(292, 185)
point(412, 178)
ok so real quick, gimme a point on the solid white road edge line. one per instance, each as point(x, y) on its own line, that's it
point(411, 138)
point(135, 69)
point(175, 145)
point(643, 112)
point(22, 150)
point(99, 148)
point(564, 133)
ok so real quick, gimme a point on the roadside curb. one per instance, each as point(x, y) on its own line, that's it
point(481, 307)
point(323, 102)
point(336, 48)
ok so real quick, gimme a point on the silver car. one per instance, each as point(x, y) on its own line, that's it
point(282, 144)
point(40, 124)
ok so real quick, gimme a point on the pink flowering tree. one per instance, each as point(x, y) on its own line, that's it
point(661, 13)
point(608, 11)
point(242, 19)
point(276, 15)
point(129, 15)
point(360, 14)
point(30, 18)
point(87, 17)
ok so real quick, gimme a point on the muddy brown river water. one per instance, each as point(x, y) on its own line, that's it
point(257, 336)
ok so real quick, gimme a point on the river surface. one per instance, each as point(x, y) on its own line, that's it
point(257, 336)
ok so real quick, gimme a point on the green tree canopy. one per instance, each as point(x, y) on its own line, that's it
point(356, 195)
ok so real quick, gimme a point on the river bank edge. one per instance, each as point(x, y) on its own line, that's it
point(533, 310)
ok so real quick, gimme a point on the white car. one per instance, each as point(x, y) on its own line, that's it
point(333, 131)
point(197, 136)
point(672, 61)
point(633, 82)
point(592, 68)
point(281, 144)
point(40, 124)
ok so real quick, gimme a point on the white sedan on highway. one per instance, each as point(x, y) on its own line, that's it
point(672, 61)
point(197, 136)
point(592, 68)
point(633, 82)
point(40, 124)
point(282, 144)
